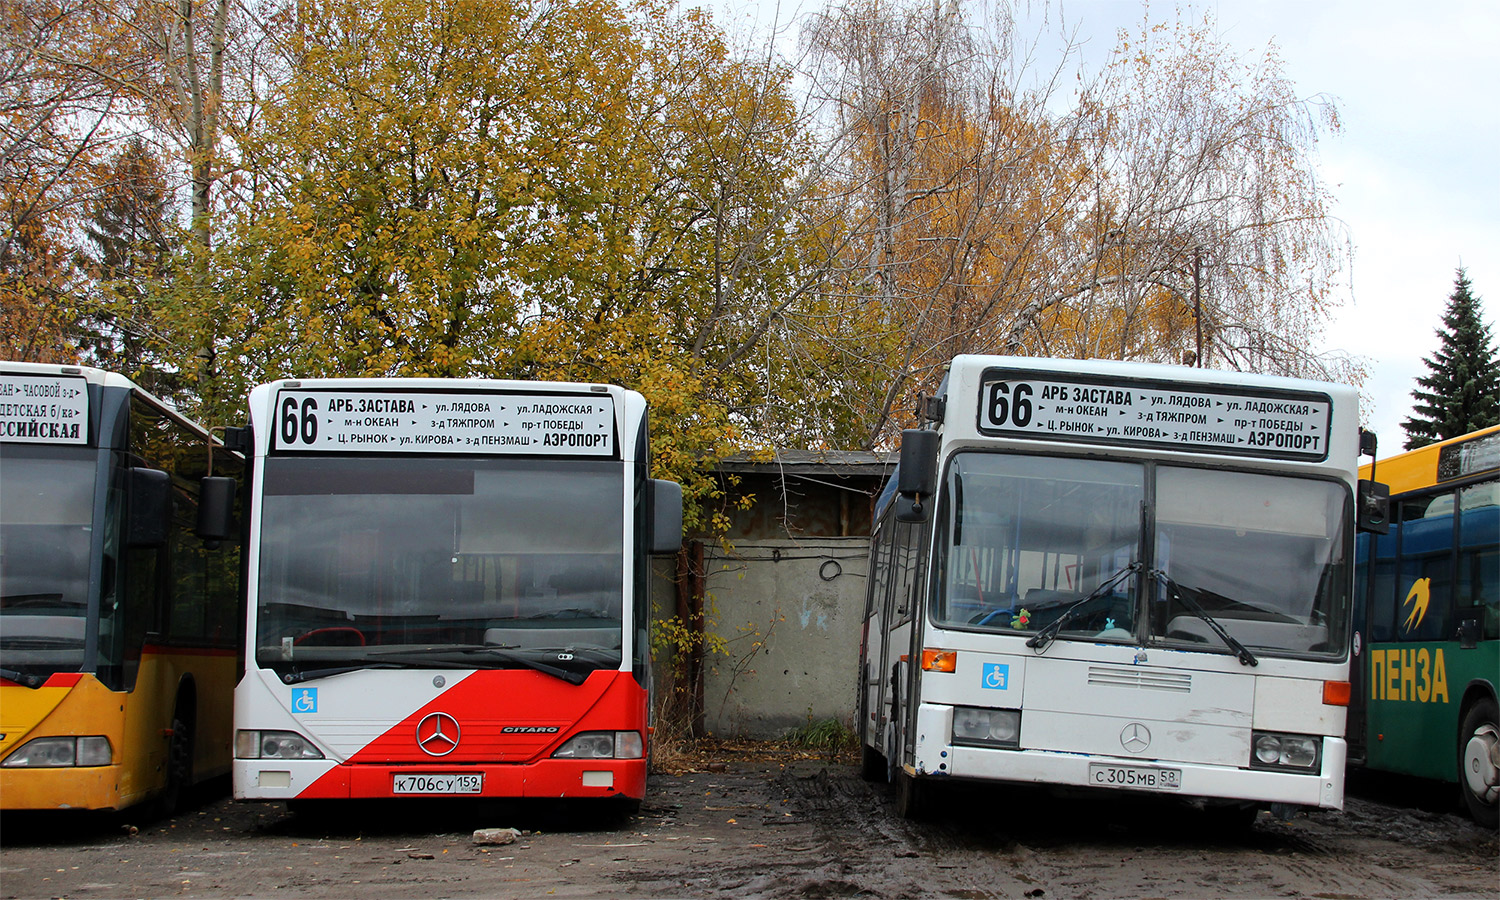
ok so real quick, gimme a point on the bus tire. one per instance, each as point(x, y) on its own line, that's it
point(1479, 762)
point(911, 799)
point(179, 768)
point(872, 765)
point(1230, 820)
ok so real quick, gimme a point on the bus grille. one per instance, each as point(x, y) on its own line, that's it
point(1143, 679)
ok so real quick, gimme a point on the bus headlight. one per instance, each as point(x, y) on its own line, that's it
point(987, 727)
point(274, 745)
point(602, 745)
point(57, 752)
point(1284, 751)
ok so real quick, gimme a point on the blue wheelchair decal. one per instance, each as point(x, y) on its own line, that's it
point(995, 676)
point(305, 700)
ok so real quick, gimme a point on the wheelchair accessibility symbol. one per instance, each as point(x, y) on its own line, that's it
point(305, 700)
point(996, 676)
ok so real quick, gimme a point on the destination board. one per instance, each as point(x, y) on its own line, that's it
point(1193, 418)
point(43, 409)
point(378, 421)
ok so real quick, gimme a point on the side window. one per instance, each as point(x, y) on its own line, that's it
point(1382, 577)
point(880, 567)
point(1424, 583)
point(198, 598)
point(1478, 585)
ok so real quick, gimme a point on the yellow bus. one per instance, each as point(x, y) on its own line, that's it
point(1427, 622)
point(120, 593)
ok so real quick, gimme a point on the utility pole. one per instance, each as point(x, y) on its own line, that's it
point(1198, 306)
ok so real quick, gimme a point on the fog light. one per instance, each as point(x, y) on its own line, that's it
point(274, 745)
point(1268, 749)
point(1285, 751)
point(60, 752)
point(589, 745)
point(999, 727)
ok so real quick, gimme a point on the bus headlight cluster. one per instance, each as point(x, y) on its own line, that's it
point(988, 727)
point(1286, 751)
point(57, 752)
point(274, 745)
point(602, 745)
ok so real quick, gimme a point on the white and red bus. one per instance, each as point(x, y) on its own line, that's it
point(449, 590)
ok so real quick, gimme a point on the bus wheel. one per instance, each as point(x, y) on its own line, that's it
point(1230, 819)
point(1479, 763)
point(179, 768)
point(911, 796)
point(871, 764)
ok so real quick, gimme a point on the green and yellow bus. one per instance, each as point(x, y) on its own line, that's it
point(1427, 622)
point(120, 593)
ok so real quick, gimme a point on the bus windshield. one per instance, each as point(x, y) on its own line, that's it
point(416, 560)
point(46, 528)
point(1215, 530)
point(1035, 544)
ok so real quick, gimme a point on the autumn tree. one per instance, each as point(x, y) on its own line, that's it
point(1461, 391)
point(64, 78)
point(1177, 196)
point(131, 236)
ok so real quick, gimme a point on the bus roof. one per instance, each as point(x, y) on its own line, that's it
point(1424, 467)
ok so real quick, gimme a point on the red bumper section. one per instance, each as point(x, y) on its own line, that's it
point(504, 726)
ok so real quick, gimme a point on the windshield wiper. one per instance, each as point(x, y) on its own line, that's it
point(1181, 593)
point(1041, 639)
point(313, 674)
point(24, 680)
point(508, 654)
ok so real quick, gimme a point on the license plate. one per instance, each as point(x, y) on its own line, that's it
point(438, 784)
point(1143, 778)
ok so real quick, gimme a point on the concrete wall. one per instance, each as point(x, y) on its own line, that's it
point(790, 613)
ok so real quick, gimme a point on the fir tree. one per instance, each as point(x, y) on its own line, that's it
point(1461, 393)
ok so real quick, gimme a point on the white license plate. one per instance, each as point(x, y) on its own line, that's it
point(1143, 778)
point(438, 784)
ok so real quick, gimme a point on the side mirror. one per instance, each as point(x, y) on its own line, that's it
point(216, 508)
point(149, 508)
point(916, 474)
point(1373, 507)
point(916, 471)
point(1368, 444)
point(666, 516)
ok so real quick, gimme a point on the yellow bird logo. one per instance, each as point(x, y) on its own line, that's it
point(1418, 597)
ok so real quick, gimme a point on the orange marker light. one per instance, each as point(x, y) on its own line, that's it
point(939, 660)
point(1336, 693)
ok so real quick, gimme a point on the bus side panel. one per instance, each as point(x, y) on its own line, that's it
point(204, 678)
point(1414, 693)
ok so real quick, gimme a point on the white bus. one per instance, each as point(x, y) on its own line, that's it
point(449, 591)
point(1116, 576)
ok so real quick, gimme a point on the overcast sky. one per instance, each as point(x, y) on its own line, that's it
point(1413, 171)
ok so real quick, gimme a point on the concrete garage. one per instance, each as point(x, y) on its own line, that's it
point(786, 594)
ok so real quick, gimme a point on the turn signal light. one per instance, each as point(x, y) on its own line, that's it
point(1336, 693)
point(939, 660)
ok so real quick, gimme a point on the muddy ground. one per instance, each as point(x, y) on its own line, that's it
point(765, 825)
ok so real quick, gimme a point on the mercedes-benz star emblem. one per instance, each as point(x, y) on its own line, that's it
point(437, 734)
point(1135, 737)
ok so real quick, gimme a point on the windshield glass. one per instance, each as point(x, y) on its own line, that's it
point(46, 516)
point(1266, 556)
point(1028, 537)
point(404, 560)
